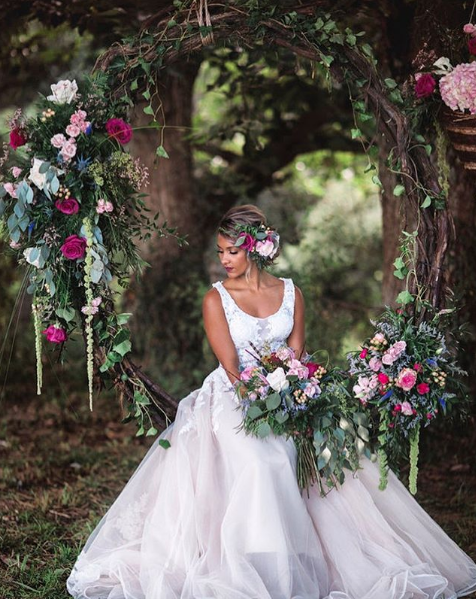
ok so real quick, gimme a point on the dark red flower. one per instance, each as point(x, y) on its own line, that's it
point(17, 138)
point(425, 85)
point(67, 206)
point(312, 368)
point(472, 45)
point(120, 130)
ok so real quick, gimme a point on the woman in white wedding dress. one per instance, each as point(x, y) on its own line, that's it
point(219, 514)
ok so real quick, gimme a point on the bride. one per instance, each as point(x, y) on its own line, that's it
point(219, 514)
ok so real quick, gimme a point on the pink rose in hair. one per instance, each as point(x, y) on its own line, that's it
point(74, 247)
point(67, 206)
point(120, 130)
point(406, 379)
point(425, 85)
point(55, 334)
point(265, 248)
point(248, 243)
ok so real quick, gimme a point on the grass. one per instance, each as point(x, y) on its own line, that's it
point(61, 466)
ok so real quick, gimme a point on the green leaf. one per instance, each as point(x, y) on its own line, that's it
point(254, 412)
point(151, 432)
point(355, 133)
point(44, 167)
point(390, 83)
point(146, 94)
point(140, 432)
point(124, 317)
point(65, 313)
point(164, 443)
point(134, 85)
point(123, 348)
point(428, 149)
point(399, 262)
point(426, 202)
point(148, 110)
point(398, 190)
point(363, 433)
point(273, 401)
point(281, 417)
point(399, 274)
point(376, 180)
point(405, 297)
point(54, 185)
point(161, 152)
point(263, 430)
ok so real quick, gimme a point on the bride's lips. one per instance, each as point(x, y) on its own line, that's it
point(228, 269)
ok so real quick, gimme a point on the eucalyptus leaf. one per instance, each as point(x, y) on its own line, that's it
point(44, 166)
point(263, 430)
point(273, 401)
point(281, 417)
point(254, 412)
point(66, 313)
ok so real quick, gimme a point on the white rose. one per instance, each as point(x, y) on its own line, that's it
point(277, 380)
point(443, 66)
point(27, 254)
point(64, 92)
point(37, 178)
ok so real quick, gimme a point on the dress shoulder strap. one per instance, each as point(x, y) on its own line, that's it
point(289, 295)
point(226, 300)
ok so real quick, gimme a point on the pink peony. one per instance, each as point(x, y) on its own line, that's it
point(363, 353)
point(10, 189)
point(16, 171)
point(119, 130)
point(472, 46)
point(67, 206)
point(423, 388)
point(425, 85)
point(383, 378)
point(407, 408)
point(406, 379)
point(17, 138)
point(58, 140)
point(55, 334)
point(265, 248)
point(73, 130)
point(285, 353)
point(74, 247)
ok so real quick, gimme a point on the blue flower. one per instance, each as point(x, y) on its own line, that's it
point(442, 402)
point(31, 226)
point(432, 362)
point(82, 163)
point(89, 129)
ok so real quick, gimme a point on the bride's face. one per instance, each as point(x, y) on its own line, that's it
point(234, 260)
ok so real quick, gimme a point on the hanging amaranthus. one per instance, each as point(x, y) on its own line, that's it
point(39, 364)
point(88, 309)
point(414, 451)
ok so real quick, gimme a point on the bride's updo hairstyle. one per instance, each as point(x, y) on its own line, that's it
point(247, 227)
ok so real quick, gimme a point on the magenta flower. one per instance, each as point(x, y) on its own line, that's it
point(120, 130)
point(74, 247)
point(67, 206)
point(249, 242)
point(425, 85)
point(17, 138)
point(423, 388)
point(55, 334)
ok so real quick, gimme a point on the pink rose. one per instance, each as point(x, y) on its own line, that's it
point(74, 247)
point(120, 130)
point(407, 408)
point(425, 85)
point(68, 149)
point(16, 171)
point(58, 140)
point(247, 373)
point(297, 368)
point(73, 130)
point(78, 117)
point(472, 46)
point(83, 125)
point(423, 388)
point(375, 364)
point(406, 379)
point(17, 138)
point(469, 28)
point(417, 367)
point(67, 206)
point(55, 334)
point(363, 353)
point(265, 248)
point(383, 378)
point(104, 206)
point(10, 189)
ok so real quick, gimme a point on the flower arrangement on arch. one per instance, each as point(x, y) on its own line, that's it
point(72, 207)
point(302, 400)
point(405, 376)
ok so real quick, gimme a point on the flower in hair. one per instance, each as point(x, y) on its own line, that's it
point(261, 243)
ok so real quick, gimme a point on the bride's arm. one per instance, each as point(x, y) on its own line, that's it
point(218, 334)
point(297, 338)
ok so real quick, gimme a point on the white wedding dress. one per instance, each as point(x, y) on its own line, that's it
point(219, 514)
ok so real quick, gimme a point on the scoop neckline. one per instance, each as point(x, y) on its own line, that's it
point(258, 317)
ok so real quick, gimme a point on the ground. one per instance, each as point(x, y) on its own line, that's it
point(61, 466)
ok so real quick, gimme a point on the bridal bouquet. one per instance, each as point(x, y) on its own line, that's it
point(302, 400)
point(406, 375)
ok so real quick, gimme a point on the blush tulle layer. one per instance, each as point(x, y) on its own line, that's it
point(219, 515)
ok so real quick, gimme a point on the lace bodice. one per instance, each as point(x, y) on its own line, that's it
point(247, 331)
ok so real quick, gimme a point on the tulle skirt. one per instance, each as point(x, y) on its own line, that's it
point(219, 515)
